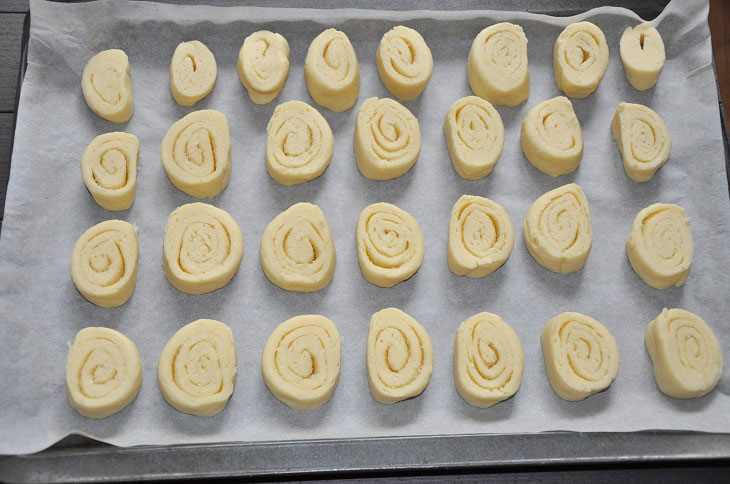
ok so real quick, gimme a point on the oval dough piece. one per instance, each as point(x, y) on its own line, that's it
point(581, 356)
point(399, 356)
point(404, 63)
point(109, 169)
point(685, 352)
point(332, 72)
point(643, 140)
point(202, 248)
point(488, 360)
point(297, 251)
point(196, 153)
point(301, 361)
point(497, 68)
point(389, 244)
point(104, 263)
point(103, 372)
point(660, 245)
point(481, 236)
point(263, 65)
point(193, 72)
point(299, 143)
point(387, 139)
point(197, 368)
point(107, 86)
point(551, 137)
point(580, 59)
point(642, 54)
point(475, 137)
point(558, 231)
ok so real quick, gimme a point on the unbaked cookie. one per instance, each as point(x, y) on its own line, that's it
point(580, 59)
point(642, 54)
point(109, 169)
point(643, 140)
point(263, 65)
point(193, 72)
point(404, 62)
point(107, 86)
point(332, 72)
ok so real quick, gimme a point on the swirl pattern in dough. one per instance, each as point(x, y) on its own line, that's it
point(193, 72)
point(580, 59)
point(107, 87)
point(642, 54)
point(109, 169)
point(332, 72)
point(263, 65)
point(404, 62)
point(643, 140)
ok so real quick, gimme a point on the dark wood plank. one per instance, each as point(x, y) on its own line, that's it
point(720, 27)
point(10, 36)
point(14, 6)
point(6, 138)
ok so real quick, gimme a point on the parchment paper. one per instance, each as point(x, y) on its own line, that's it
point(48, 207)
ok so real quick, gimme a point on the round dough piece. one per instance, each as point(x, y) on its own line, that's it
point(581, 356)
point(399, 356)
point(481, 236)
point(109, 169)
point(332, 72)
point(263, 65)
point(193, 72)
point(551, 137)
point(196, 153)
point(107, 86)
point(104, 263)
point(642, 54)
point(643, 140)
point(389, 244)
point(405, 63)
point(103, 372)
point(497, 68)
point(558, 231)
point(685, 352)
point(202, 248)
point(299, 143)
point(301, 361)
point(475, 137)
point(297, 251)
point(660, 245)
point(580, 59)
point(488, 360)
point(197, 368)
point(387, 139)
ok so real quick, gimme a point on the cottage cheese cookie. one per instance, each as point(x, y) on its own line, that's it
point(263, 65)
point(107, 86)
point(332, 72)
point(193, 72)
point(643, 140)
point(580, 59)
point(642, 54)
point(109, 169)
point(404, 63)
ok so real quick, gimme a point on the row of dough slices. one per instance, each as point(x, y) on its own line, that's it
point(301, 361)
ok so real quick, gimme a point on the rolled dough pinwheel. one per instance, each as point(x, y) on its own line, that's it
point(107, 87)
point(193, 72)
point(642, 54)
point(263, 65)
point(404, 63)
point(580, 59)
point(332, 72)
point(109, 169)
point(643, 140)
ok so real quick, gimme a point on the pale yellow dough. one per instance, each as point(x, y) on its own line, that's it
point(193, 72)
point(263, 65)
point(642, 54)
point(332, 72)
point(660, 245)
point(389, 244)
point(580, 59)
point(685, 352)
point(301, 361)
point(104, 263)
point(558, 231)
point(581, 356)
point(202, 248)
point(196, 153)
point(103, 372)
point(497, 68)
point(107, 86)
point(399, 356)
point(109, 169)
point(488, 360)
point(197, 368)
point(481, 236)
point(404, 63)
point(643, 140)
point(297, 251)
point(387, 139)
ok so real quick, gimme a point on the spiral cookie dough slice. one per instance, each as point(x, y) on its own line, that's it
point(299, 143)
point(103, 372)
point(558, 231)
point(104, 263)
point(193, 72)
point(581, 356)
point(399, 356)
point(301, 361)
point(643, 140)
point(488, 360)
point(389, 244)
point(497, 68)
point(580, 59)
point(660, 245)
point(196, 153)
point(404, 63)
point(642, 54)
point(107, 86)
point(551, 137)
point(685, 352)
point(387, 139)
point(332, 72)
point(109, 169)
point(481, 236)
point(263, 65)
